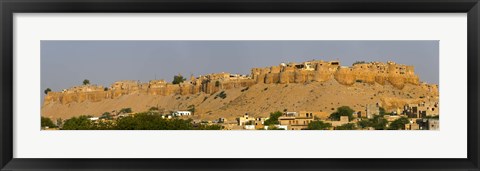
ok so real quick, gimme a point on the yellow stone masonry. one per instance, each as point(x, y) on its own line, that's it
point(311, 71)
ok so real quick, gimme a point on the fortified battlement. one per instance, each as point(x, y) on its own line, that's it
point(321, 71)
point(310, 71)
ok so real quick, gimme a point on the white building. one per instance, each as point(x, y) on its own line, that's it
point(245, 119)
point(93, 118)
point(285, 127)
point(291, 114)
point(182, 113)
point(249, 127)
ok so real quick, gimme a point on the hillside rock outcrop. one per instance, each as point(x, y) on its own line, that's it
point(311, 71)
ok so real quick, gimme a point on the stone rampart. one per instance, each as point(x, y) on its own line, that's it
point(317, 70)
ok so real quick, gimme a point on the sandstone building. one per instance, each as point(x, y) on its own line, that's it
point(311, 71)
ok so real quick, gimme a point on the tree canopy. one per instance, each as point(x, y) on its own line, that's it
point(273, 119)
point(342, 111)
point(78, 123)
point(106, 115)
point(148, 121)
point(47, 122)
point(47, 90)
point(379, 122)
point(399, 123)
point(364, 123)
point(347, 126)
point(318, 125)
point(359, 62)
point(141, 121)
point(382, 111)
point(86, 82)
point(126, 110)
point(177, 79)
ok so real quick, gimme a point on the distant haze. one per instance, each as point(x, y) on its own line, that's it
point(67, 63)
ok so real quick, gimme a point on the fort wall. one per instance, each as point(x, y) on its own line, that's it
point(311, 71)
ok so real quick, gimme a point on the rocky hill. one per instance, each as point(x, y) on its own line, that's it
point(311, 86)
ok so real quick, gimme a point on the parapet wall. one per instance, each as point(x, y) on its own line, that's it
point(321, 71)
point(310, 71)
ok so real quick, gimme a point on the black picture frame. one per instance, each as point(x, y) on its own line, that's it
point(9, 7)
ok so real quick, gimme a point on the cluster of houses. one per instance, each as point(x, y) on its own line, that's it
point(288, 121)
point(167, 116)
point(422, 116)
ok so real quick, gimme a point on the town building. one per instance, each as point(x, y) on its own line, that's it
point(371, 110)
point(343, 120)
point(429, 124)
point(421, 110)
point(182, 113)
point(295, 121)
point(259, 123)
point(245, 119)
point(93, 118)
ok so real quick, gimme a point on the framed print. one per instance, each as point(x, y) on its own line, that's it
point(228, 85)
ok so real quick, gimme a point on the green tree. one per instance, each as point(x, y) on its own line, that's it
point(106, 116)
point(273, 119)
point(358, 62)
point(318, 125)
point(86, 82)
point(103, 125)
point(210, 127)
point(47, 90)
point(47, 122)
point(379, 123)
point(347, 126)
point(177, 79)
point(364, 123)
point(399, 123)
point(141, 121)
point(342, 111)
point(78, 123)
point(217, 83)
point(125, 110)
point(382, 111)
point(148, 121)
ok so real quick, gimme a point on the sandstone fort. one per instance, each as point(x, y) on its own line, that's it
point(315, 85)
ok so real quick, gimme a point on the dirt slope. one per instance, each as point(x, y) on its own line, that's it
point(258, 100)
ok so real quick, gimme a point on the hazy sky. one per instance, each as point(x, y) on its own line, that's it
point(67, 63)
